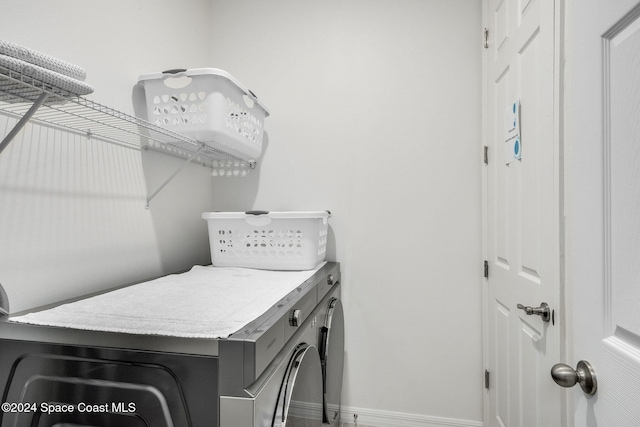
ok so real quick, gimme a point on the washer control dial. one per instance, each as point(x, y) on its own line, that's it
point(294, 317)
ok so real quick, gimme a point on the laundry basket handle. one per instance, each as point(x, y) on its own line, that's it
point(174, 71)
point(257, 212)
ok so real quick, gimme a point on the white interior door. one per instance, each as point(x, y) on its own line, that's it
point(522, 214)
point(604, 206)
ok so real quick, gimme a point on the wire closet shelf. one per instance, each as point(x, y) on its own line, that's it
point(26, 97)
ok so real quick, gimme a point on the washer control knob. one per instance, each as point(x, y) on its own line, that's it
point(294, 317)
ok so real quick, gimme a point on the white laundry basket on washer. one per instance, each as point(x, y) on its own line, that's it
point(268, 240)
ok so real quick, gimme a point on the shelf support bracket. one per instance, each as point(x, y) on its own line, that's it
point(184, 165)
point(23, 120)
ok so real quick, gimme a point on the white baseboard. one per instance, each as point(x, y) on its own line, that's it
point(378, 418)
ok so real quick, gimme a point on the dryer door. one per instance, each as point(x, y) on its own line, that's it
point(300, 397)
point(332, 357)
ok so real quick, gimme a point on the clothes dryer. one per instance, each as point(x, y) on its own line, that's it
point(331, 346)
point(290, 392)
point(268, 373)
point(300, 396)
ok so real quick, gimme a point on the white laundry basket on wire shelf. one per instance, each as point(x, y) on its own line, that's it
point(268, 240)
point(208, 105)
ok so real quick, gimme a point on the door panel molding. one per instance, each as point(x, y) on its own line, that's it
point(521, 208)
point(617, 138)
point(604, 206)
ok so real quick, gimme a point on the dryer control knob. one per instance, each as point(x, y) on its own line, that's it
point(294, 317)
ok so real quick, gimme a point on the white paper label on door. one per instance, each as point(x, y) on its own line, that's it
point(512, 141)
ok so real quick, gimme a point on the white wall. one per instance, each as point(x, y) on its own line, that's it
point(72, 211)
point(375, 115)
